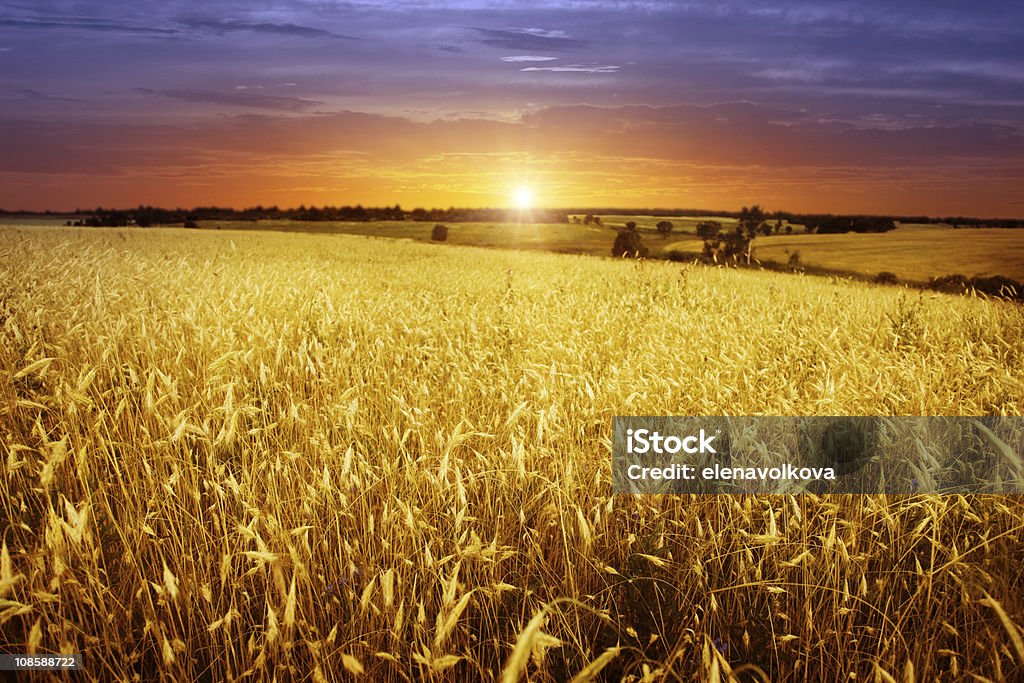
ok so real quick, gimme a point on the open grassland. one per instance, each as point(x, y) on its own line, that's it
point(320, 456)
point(912, 253)
point(553, 237)
point(562, 238)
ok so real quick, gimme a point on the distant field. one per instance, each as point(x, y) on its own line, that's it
point(564, 238)
point(914, 253)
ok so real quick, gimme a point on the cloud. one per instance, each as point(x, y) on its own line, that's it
point(260, 86)
point(544, 33)
point(528, 58)
point(236, 99)
point(220, 27)
point(529, 40)
point(577, 68)
point(84, 24)
point(215, 26)
point(36, 95)
point(454, 49)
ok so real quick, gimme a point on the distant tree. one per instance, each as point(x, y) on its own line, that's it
point(726, 247)
point(628, 244)
point(665, 227)
point(439, 233)
point(588, 219)
point(597, 220)
point(751, 221)
point(631, 225)
point(706, 229)
point(789, 229)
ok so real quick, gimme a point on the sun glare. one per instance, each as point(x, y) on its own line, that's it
point(523, 198)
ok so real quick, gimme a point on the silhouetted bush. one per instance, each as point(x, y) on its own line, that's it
point(1000, 286)
point(886, 278)
point(628, 243)
point(994, 286)
point(706, 229)
point(832, 225)
point(190, 224)
point(950, 283)
point(439, 233)
point(726, 247)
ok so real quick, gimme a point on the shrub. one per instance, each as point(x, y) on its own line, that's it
point(678, 256)
point(726, 247)
point(439, 233)
point(886, 278)
point(957, 283)
point(190, 224)
point(994, 286)
point(628, 243)
point(999, 286)
point(706, 229)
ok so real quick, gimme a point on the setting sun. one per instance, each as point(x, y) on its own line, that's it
point(522, 198)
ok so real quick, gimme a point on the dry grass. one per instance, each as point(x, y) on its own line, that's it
point(327, 456)
point(916, 253)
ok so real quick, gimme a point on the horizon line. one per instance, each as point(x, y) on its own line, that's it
point(571, 210)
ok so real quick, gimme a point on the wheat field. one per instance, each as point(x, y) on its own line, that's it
point(313, 457)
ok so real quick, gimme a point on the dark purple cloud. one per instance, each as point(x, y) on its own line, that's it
point(83, 25)
point(527, 39)
point(222, 26)
point(236, 99)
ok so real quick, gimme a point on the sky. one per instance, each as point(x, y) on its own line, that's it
point(915, 107)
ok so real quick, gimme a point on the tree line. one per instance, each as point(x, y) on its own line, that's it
point(822, 223)
point(146, 216)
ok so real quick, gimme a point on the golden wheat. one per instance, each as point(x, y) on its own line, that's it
point(231, 455)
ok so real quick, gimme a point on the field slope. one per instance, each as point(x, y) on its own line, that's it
point(913, 253)
point(294, 455)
